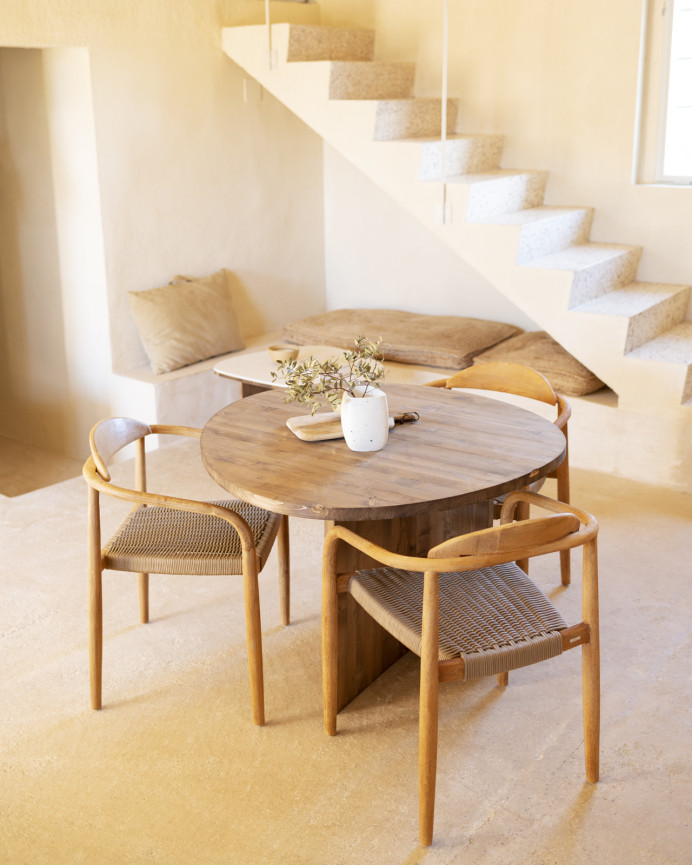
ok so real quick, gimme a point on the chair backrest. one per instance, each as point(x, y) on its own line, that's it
point(507, 377)
point(512, 538)
point(511, 378)
point(564, 528)
point(109, 436)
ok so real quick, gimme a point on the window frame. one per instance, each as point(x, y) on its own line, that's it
point(667, 59)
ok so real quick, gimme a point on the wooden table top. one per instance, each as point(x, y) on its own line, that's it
point(464, 449)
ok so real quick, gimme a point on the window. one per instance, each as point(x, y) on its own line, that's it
point(674, 163)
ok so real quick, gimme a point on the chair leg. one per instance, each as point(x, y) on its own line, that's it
point(95, 571)
point(428, 712)
point(590, 660)
point(563, 496)
point(503, 679)
point(562, 476)
point(522, 512)
point(284, 572)
point(143, 598)
point(330, 638)
point(427, 760)
point(565, 567)
point(95, 636)
point(253, 629)
point(592, 710)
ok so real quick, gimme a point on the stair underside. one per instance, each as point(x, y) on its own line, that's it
point(585, 294)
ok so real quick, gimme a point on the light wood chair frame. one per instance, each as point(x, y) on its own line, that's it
point(521, 380)
point(510, 541)
point(106, 439)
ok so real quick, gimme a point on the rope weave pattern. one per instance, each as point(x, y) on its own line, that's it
point(495, 618)
point(165, 541)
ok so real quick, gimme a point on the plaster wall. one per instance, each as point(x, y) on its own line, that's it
point(187, 176)
point(32, 383)
point(379, 256)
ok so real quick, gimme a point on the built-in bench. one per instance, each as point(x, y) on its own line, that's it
point(189, 395)
point(413, 344)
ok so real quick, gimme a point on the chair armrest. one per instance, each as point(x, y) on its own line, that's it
point(445, 562)
point(94, 479)
point(586, 533)
point(380, 554)
point(564, 412)
point(170, 429)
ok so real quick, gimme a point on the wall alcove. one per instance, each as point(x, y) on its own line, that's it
point(54, 345)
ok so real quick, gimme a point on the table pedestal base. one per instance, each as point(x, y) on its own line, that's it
point(365, 649)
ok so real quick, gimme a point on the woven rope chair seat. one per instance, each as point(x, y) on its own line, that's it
point(495, 618)
point(165, 541)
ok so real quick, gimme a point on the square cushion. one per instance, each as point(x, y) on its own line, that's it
point(408, 337)
point(540, 351)
point(187, 320)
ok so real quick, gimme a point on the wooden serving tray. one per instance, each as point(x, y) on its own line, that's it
point(316, 427)
point(319, 427)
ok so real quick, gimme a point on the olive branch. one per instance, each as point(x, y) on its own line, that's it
point(311, 381)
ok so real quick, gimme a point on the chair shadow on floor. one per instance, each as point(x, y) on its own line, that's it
point(398, 688)
point(567, 832)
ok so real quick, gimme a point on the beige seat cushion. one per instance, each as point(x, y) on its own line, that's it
point(408, 337)
point(187, 321)
point(540, 351)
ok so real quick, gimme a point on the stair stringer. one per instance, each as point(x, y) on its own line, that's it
point(544, 291)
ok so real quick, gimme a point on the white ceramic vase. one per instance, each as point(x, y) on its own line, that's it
point(365, 419)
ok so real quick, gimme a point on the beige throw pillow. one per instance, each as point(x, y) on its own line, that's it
point(186, 321)
point(408, 337)
point(540, 351)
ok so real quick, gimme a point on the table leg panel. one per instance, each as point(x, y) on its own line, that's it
point(366, 650)
point(249, 389)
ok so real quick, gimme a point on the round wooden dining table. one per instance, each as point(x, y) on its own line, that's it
point(434, 479)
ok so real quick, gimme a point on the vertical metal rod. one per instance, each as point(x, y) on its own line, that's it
point(443, 131)
point(267, 18)
point(643, 39)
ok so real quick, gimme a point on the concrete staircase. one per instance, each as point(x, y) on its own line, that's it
point(633, 335)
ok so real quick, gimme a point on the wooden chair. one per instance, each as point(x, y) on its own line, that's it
point(515, 378)
point(468, 610)
point(168, 535)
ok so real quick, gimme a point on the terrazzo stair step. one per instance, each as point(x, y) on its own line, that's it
point(597, 267)
point(673, 347)
point(371, 80)
point(544, 230)
point(411, 118)
point(492, 193)
point(317, 42)
point(464, 154)
point(651, 309)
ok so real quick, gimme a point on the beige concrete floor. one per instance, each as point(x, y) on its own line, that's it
point(24, 467)
point(173, 771)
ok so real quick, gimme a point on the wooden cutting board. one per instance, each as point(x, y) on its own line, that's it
point(319, 427)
